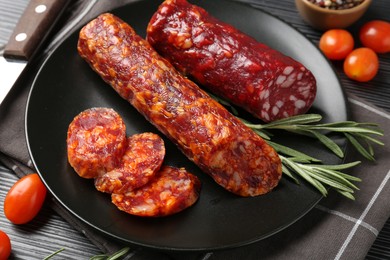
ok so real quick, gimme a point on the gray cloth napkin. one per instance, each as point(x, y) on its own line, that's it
point(336, 228)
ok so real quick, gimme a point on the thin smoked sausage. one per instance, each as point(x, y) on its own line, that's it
point(221, 145)
point(229, 63)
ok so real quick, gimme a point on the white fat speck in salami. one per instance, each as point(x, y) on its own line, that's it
point(300, 104)
point(287, 70)
point(280, 79)
point(275, 110)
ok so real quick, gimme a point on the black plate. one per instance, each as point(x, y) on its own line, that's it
point(66, 85)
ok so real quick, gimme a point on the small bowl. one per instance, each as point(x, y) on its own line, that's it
point(325, 19)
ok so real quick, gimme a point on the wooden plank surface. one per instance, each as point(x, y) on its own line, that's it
point(45, 234)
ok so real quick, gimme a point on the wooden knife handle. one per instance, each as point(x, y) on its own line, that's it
point(33, 27)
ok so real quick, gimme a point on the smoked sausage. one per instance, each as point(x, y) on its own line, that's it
point(229, 63)
point(221, 145)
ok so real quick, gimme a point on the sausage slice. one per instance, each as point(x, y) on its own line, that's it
point(173, 190)
point(96, 142)
point(142, 159)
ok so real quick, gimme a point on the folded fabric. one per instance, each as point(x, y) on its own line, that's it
point(336, 228)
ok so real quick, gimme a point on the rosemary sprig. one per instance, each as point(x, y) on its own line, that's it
point(318, 175)
point(54, 253)
point(360, 135)
point(330, 175)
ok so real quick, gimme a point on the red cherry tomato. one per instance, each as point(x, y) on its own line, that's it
point(376, 35)
point(5, 245)
point(336, 44)
point(361, 64)
point(24, 200)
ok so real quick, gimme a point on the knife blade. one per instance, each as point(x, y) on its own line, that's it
point(35, 24)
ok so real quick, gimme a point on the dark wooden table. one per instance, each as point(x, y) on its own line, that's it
point(48, 232)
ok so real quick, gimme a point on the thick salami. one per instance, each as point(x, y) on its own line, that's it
point(96, 141)
point(229, 63)
point(220, 144)
point(142, 159)
point(172, 191)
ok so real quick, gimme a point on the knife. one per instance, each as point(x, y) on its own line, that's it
point(34, 26)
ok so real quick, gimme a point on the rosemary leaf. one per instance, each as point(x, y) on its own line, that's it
point(359, 147)
point(370, 149)
point(372, 125)
point(339, 166)
point(349, 177)
point(351, 124)
point(299, 119)
point(53, 254)
point(287, 172)
point(263, 134)
point(328, 143)
point(340, 124)
point(369, 138)
point(118, 254)
point(346, 194)
point(350, 129)
point(292, 152)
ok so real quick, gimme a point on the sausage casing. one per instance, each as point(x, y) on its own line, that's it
point(220, 144)
point(229, 63)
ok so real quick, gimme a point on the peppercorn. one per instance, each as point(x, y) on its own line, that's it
point(336, 4)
